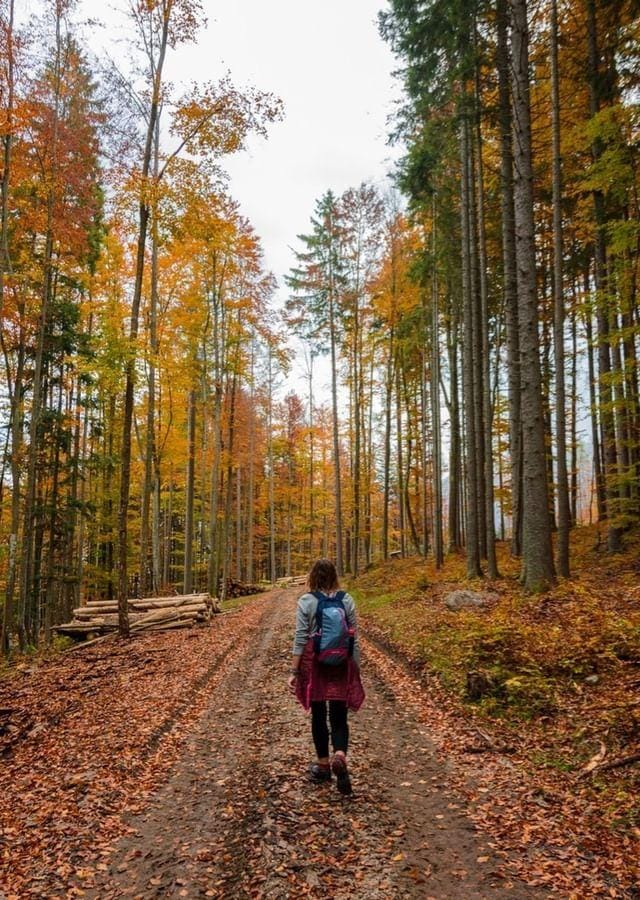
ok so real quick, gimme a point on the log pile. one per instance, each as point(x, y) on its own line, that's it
point(239, 589)
point(292, 581)
point(99, 617)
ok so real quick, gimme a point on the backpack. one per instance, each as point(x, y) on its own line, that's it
point(333, 640)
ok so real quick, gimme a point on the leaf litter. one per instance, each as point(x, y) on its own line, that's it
point(176, 768)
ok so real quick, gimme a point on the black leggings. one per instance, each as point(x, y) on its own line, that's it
point(339, 726)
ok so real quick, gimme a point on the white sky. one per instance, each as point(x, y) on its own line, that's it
point(327, 63)
point(332, 71)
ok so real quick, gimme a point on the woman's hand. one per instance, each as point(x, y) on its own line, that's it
point(292, 683)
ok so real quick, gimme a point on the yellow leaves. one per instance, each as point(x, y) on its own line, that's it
point(610, 130)
point(216, 118)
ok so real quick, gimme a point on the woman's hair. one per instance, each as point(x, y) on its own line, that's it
point(323, 576)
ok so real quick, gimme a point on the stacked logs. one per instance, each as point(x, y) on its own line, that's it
point(240, 589)
point(100, 617)
point(292, 581)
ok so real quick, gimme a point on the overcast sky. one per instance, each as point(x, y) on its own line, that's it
point(332, 71)
point(327, 63)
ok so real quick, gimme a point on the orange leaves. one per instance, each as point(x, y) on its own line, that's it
point(214, 119)
point(395, 293)
point(112, 720)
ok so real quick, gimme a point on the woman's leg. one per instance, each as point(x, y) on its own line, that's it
point(340, 741)
point(339, 725)
point(319, 730)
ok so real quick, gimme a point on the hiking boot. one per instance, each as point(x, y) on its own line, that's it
point(339, 767)
point(319, 774)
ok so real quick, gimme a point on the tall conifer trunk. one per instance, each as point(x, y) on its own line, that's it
point(473, 510)
point(510, 275)
point(387, 444)
point(485, 351)
point(538, 571)
point(607, 414)
point(438, 541)
point(336, 431)
point(564, 513)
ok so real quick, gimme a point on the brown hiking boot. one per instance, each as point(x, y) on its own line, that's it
point(339, 768)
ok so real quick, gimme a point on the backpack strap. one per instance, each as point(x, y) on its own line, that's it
point(320, 597)
point(340, 596)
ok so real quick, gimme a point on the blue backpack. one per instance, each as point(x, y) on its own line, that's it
point(333, 640)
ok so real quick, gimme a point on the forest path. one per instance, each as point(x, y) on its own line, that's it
point(237, 818)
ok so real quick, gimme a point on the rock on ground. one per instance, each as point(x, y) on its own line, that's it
point(464, 599)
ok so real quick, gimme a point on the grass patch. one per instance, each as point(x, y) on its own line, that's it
point(239, 602)
point(533, 652)
point(559, 672)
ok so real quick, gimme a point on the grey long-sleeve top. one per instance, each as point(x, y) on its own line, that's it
point(306, 622)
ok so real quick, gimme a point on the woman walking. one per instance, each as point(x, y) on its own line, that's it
point(326, 669)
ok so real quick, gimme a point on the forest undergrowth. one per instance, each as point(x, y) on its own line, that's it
point(558, 673)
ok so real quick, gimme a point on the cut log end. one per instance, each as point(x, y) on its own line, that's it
point(97, 619)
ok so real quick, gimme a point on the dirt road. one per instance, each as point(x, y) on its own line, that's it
point(237, 818)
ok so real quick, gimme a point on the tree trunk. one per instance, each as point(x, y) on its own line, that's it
point(485, 355)
point(272, 514)
point(574, 416)
point(7, 147)
point(312, 499)
point(357, 405)
point(336, 432)
point(50, 577)
point(538, 571)
point(387, 445)
point(17, 415)
point(468, 371)
point(399, 458)
point(424, 375)
point(228, 506)
point(510, 276)
point(187, 581)
point(251, 479)
point(127, 418)
point(239, 524)
point(150, 462)
point(455, 473)
point(219, 339)
point(601, 499)
point(436, 434)
point(607, 415)
point(564, 513)
point(477, 457)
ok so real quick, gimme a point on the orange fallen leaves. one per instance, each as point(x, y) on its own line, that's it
point(94, 732)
